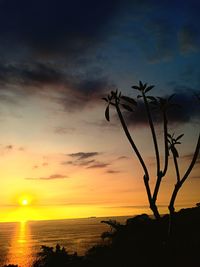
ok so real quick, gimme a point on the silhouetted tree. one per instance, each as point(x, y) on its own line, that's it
point(119, 101)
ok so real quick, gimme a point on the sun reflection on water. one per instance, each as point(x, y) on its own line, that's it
point(20, 250)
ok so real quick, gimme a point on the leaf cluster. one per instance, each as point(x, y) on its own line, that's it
point(173, 142)
point(115, 98)
point(143, 88)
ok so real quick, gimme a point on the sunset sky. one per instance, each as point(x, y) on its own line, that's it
point(57, 60)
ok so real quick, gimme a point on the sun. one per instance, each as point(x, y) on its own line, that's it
point(24, 202)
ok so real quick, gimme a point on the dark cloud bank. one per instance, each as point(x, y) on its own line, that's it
point(46, 43)
point(52, 27)
point(187, 110)
point(49, 44)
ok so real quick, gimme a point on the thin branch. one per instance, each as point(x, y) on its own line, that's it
point(134, 147)
point(176, 168)
point(162, 174)
point(166, 143)
point(153, 133)
point(179, 183)
point(194, 159)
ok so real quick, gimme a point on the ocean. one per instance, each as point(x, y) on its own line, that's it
point(20, 242)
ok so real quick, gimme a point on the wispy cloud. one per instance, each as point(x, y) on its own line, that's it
point(86, 159)
point(112, 171)
point(122, 158)
point(189, 39)
point(195, 177)
point(63, 130)
point(9, 147)
point(83, 155)
point(97, 165)
point(51, 177)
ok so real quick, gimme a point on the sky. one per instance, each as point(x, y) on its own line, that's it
point(57, 60)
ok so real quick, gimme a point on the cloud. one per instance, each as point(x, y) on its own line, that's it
point(63, 130)
point(189, 39)
point(89, 164)
point(83, 155)
point(122, 158)
point(97, 165)
point(51, 177)
point(112, 171)
point(35, 167)
point(52, 27)
point(85, 159)
point(196, 177)
point(78, 163)
point(183, 113)
point(50, 44)
point(84, 92)
point(33, 73)
point(9, 147)
point(73, 91)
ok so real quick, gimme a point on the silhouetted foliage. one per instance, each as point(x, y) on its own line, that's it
point(116, 99)
point(50, 257)
point(140, 242)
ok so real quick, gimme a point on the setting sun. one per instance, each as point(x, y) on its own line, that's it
point(24, 202)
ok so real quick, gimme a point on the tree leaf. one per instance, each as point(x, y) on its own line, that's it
point(149, 88)
point(141, 84)
point(152, 98)
point(129, 100)
point(174, 151)
point(104, 98)
point(107, 114)
point(179, 137)
point(136, 87)
point(139, 96)
point(127, 107)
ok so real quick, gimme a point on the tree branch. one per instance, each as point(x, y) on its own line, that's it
point(179, 183)
point(135, 149)
point(153, 133)
point(162, 174)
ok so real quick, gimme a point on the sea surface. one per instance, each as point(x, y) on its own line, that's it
point(20, 242)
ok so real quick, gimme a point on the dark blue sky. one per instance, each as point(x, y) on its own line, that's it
point(119, 42)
